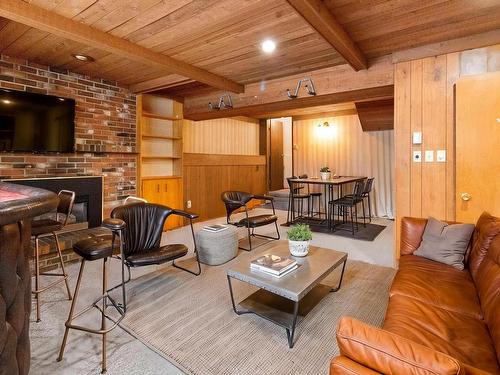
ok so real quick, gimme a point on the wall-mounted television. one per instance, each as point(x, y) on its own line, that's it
point(36, 123)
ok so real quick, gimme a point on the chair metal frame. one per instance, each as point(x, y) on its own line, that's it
point(251, 230)
point(63, 275)
point(351, 202)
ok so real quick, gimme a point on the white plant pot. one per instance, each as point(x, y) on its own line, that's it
point(298, 248)
point(325, 175)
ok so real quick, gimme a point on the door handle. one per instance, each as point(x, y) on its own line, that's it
point(166, 188)
point(465, 196)
point(158, 188)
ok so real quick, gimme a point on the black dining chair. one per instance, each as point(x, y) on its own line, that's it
point(235, 200)
point(312, 195)
point(366, 195)
point(298, 198)
point(347, 204)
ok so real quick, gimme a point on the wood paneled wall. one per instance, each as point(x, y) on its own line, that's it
point(227, 136)
point(207, 176)
point(424, 101)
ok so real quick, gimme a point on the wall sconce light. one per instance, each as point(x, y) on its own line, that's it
point(222, 103)
point(309, 85)
point(325, 130)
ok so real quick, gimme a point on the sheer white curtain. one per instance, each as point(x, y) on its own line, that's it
point(348, 151)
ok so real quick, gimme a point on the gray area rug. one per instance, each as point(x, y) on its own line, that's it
point(190, 321)
point(364, 233)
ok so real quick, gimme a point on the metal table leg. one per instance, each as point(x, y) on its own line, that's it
point(291, 331)
point(341, 277)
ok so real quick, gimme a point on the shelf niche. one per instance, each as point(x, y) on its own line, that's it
point(159, 129)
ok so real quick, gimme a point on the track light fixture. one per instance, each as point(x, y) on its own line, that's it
point(225, 101)
point(309, 85)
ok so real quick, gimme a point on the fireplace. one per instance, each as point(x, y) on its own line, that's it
point(87, 211)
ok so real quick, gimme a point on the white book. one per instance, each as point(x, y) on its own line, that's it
point(259, 267)
point(215, 228)
point(278, 276)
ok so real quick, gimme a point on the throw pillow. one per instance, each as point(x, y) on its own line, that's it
point(445, 243)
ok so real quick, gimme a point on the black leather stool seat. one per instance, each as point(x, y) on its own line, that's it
point(257, 221)
point(113, 224)
point(94, 248)
point(157, 255)
point(43, 226)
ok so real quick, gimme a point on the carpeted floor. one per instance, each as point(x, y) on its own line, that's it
point(189, 320)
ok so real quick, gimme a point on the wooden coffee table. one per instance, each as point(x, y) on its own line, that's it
point(283, 300)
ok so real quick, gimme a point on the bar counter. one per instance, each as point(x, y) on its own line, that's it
point(18, 205)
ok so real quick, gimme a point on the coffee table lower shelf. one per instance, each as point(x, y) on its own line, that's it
point(280, 310)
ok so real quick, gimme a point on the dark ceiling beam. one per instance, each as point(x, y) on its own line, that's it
point(42, 19)
point(316, 13)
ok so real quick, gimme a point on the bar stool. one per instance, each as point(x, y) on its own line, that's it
point(90, 249)
point(44, 227)
point(313, 195)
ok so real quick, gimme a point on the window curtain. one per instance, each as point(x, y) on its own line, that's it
point(347, 151)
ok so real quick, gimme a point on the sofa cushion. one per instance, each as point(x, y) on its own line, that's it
point(389, 353)
point(445, 243)
point(460, 336)
point(487, 227)
point(412, 229)
point(437, 284)
point(488, 285)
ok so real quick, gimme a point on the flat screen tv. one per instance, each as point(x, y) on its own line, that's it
point(36, 123)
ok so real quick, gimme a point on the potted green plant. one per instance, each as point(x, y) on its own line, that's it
point(325, 173)
point(298, 239)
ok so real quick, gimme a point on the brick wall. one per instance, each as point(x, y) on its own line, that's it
point(105, 129)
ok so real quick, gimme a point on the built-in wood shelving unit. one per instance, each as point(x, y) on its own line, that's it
point(159, 131)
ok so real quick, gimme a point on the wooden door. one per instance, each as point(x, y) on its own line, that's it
point(172, 197)
point(276, 165)
point(477, 146)
point(151, 190)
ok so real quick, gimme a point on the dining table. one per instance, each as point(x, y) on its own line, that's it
point(329, 186)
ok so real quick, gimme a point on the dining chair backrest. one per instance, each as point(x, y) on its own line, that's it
point(358, 190)
point(368, 186)
point(290, 183)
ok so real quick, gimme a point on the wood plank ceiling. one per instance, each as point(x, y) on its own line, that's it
point(224, 36)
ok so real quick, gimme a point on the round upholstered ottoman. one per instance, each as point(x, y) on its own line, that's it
point(215, 248)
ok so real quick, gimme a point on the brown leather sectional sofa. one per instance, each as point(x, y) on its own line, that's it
point(440, 320)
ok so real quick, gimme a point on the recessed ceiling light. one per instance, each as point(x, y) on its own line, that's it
point(268, 46)
point(81, 57)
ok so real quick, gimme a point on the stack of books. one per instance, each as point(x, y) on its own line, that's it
point(215, 228)
point(274, 265)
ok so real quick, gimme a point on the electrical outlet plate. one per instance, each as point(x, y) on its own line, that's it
point(429, 156)
point(417, 156)
point(188, 204)
point(441, 156)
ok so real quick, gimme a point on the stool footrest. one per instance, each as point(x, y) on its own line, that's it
point(38, 291)
point(68, 324)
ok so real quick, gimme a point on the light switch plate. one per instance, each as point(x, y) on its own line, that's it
point(441, 156)
point(429, 156)
point(417, 138)
point(417, 156)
